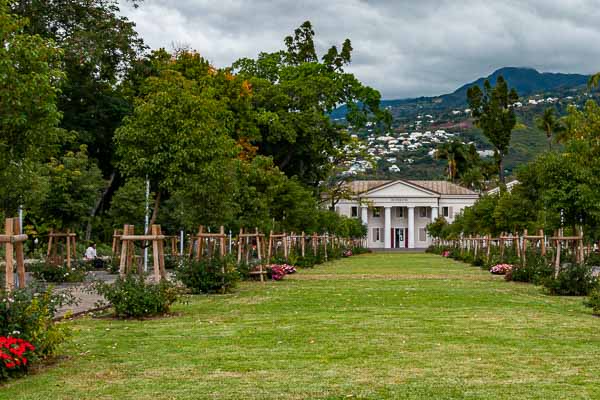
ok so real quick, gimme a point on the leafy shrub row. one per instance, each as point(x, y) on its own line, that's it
point(572, 280)
point(47, 272)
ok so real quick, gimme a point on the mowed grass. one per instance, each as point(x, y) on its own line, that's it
point(378, 326)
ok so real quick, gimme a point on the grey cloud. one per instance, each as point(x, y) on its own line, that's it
point(402, 48)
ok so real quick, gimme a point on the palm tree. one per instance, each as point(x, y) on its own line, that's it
point(594, 80)
point(452, 151)
point(550, 124)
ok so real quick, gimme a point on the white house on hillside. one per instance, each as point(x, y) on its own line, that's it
point(397, 212)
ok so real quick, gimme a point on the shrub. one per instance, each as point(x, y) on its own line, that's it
point(47, 272)
point(594, 301)
point(573, 280)
point(133, 297)
point(217, 275)
point(536, 269)
point(113, 266)
point(593, 259)
point(15, 354)
point(478, 261)
point(356, 250)
point(172, 262)
point(29, 314)
point(308, 261)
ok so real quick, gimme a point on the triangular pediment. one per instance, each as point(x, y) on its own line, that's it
point(399, 188)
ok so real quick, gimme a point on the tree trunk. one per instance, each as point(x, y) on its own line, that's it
point(501, 168)
point(154, 210)
point(88, 230)
point(550, 142)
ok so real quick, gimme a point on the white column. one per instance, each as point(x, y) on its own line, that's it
point(411, 227)
point(434, 213)
point(364, 215)
point(387, 234)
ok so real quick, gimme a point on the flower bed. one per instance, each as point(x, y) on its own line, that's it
point(501, 269)
point(278, 271)
point(14, 355)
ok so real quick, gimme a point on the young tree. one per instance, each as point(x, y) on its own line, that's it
point(76, 183)
point(493, 113)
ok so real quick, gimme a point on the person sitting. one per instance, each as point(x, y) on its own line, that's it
point(90, 255)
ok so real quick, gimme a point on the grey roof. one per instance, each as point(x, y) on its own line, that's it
point(439, 187)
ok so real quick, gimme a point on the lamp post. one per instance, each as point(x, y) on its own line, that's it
point(147, 222)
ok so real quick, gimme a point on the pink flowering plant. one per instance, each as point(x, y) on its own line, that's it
point(501, 269)
point(446, 253)
point(278, 271)
point(347, 253)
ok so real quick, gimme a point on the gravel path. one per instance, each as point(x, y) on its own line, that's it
point(86, 301)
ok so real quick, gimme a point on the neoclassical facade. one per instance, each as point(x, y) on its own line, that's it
point(397, 212)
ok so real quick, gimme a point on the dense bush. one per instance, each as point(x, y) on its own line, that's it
point(478, 261)
point(131, 296)
point(217, 275)
point(356, 250)
point(29, 314)
point(594, 301)
point(308, 261)
point(536, 269)
point(172, 262)
point(573, 280)
point(113, 265)
point(47, 272)
point(593, 259)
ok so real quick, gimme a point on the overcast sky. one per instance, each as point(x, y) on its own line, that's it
point(402, 48)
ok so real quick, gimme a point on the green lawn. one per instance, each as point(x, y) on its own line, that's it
point(397, 326)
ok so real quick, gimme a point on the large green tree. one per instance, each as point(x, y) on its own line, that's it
point(176, 137)
point(29, 86)
point(293, 92)
point(99, 46)
point(493, 113)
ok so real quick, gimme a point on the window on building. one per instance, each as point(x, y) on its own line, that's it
point(422, 235)
point(376, 212)
point(425, 212)
point(376, 234)
point(399, 212)
point(447, 212)
point(354, 211)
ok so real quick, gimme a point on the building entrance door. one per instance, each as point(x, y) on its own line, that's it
point(398, 238)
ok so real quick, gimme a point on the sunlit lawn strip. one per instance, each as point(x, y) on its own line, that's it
point(376, 326)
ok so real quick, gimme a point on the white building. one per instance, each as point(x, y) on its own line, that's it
point(397, 212)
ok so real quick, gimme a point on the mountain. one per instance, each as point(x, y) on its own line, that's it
point(526, 81)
